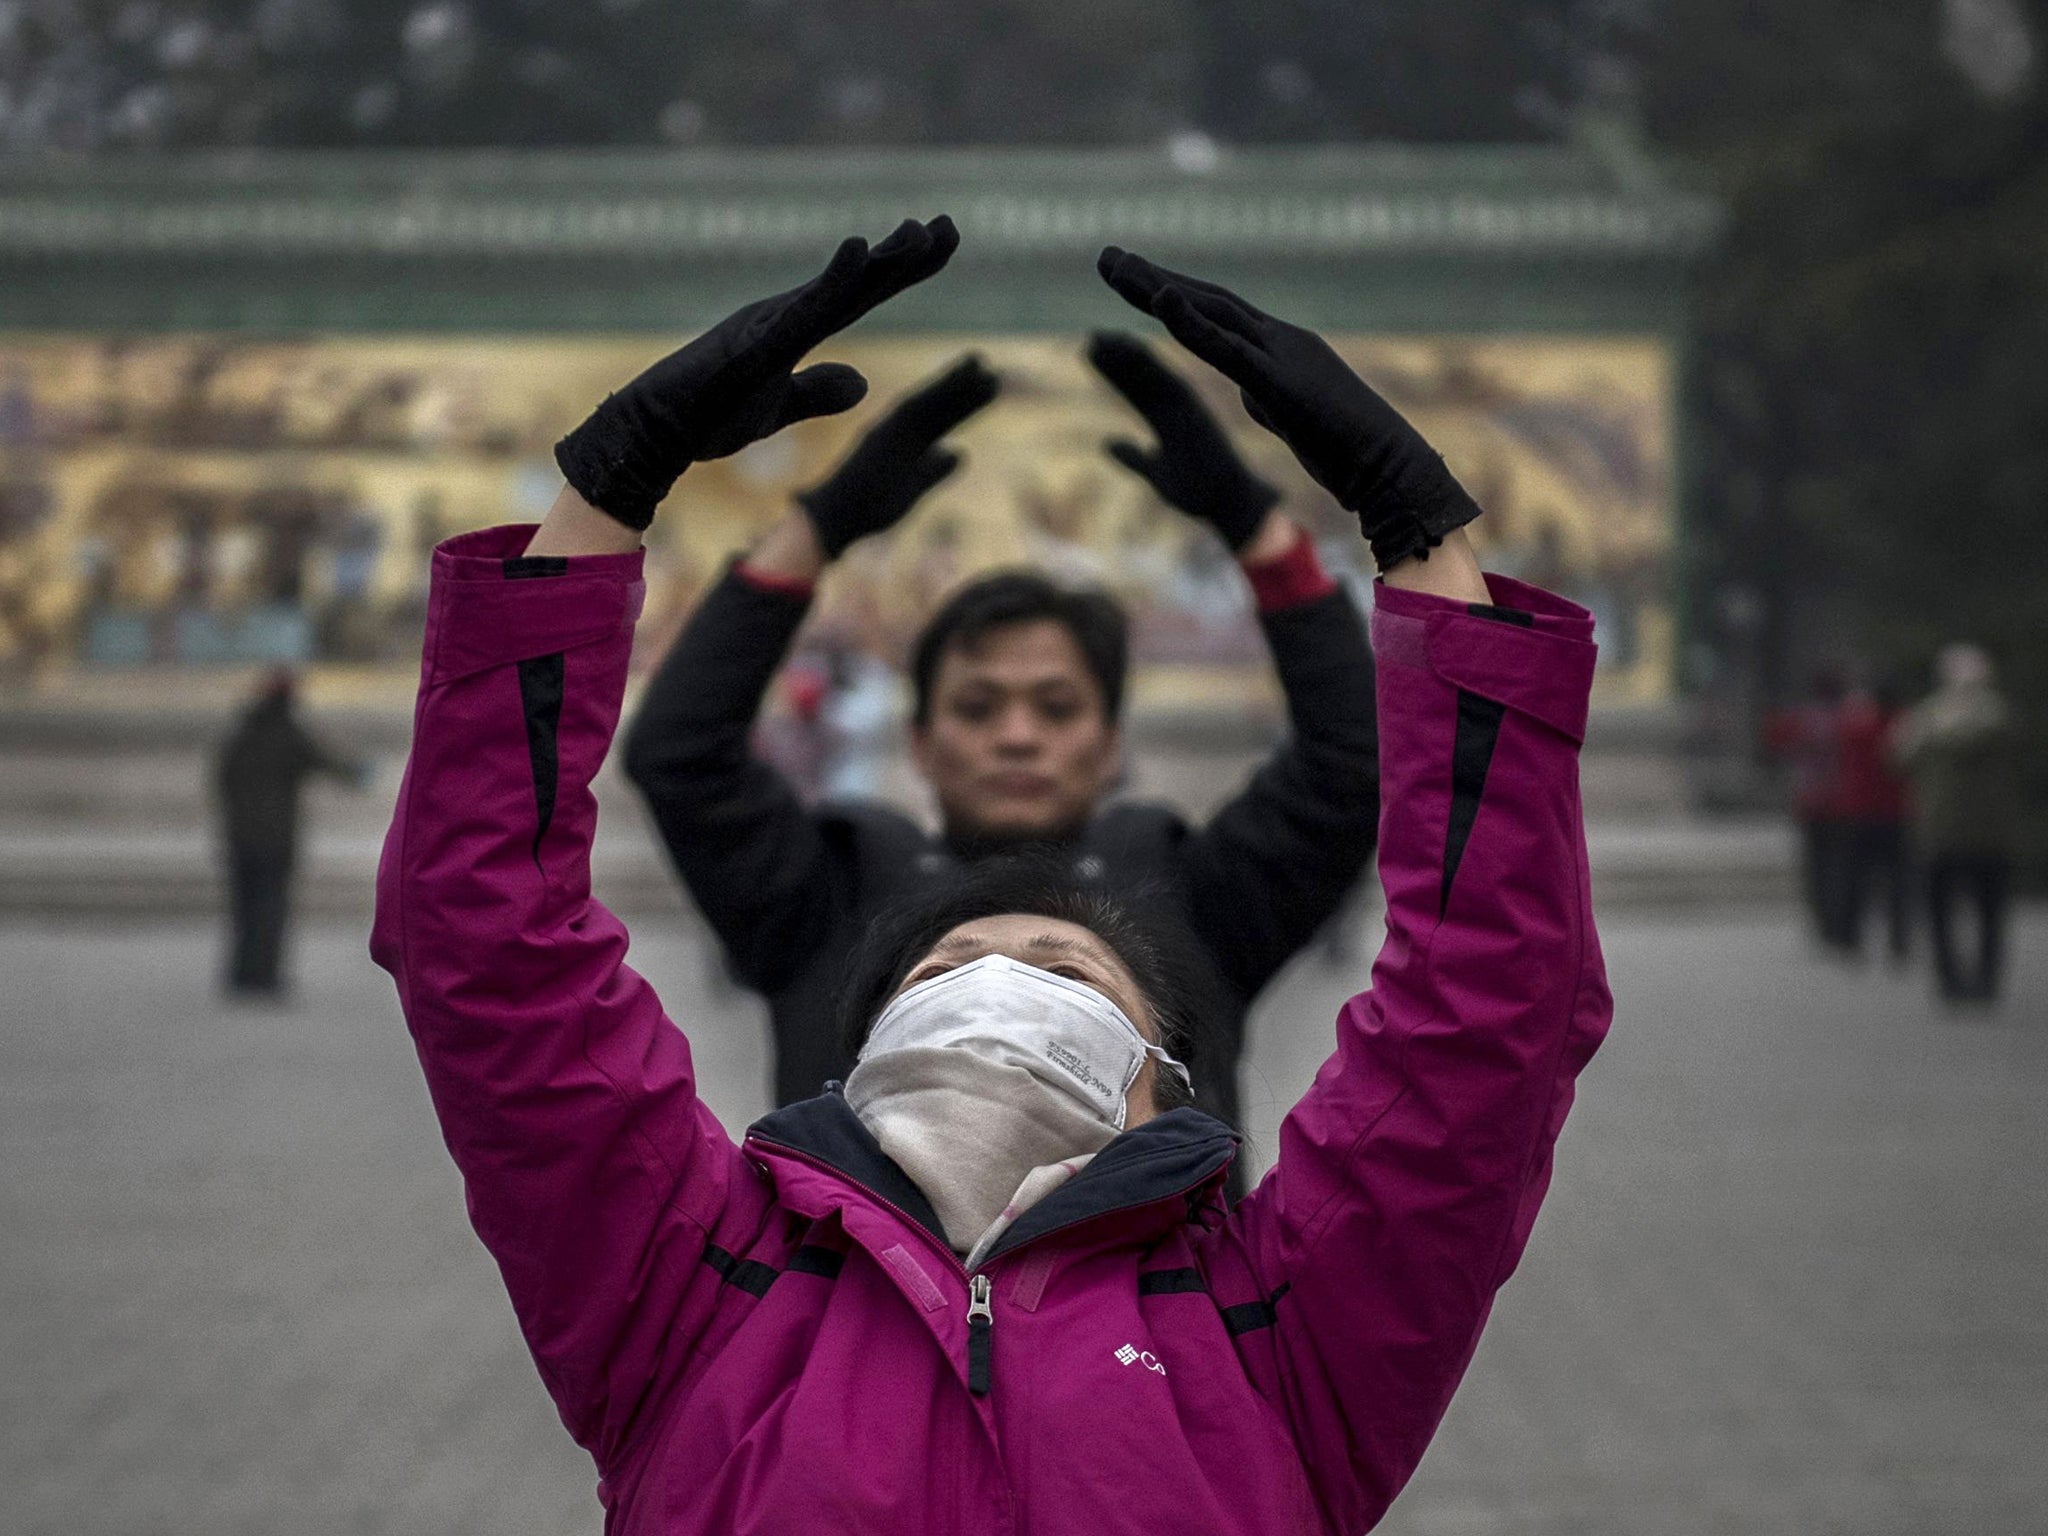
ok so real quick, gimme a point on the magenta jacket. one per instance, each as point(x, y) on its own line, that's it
point(773, 1337)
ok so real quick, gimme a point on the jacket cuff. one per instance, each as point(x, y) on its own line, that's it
point(1529, 649)
point(1292, 579)
point(489, 605)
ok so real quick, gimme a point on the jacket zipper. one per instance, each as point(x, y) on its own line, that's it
point(977, 1285)
point(980, 1315)
point(980, 1325)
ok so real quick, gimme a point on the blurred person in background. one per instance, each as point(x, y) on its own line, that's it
point(259, 772)
point(1019, 685)
point(860, 717)
point(1960, 749)
point(990, 1284)
point(794, 739)
point(1871, 800)
point(1805, 737)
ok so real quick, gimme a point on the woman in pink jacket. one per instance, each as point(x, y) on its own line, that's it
point(990, 1286)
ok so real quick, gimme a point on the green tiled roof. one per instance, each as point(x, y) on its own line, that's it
point(1502, 204)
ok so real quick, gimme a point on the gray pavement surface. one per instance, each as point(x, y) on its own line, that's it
point(113, 871)
point(1792, 1277)
point(115, 821)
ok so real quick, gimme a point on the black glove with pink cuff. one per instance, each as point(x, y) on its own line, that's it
point(1358, 447)
point(737, 383)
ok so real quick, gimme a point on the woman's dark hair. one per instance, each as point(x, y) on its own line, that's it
point(995, 602)
point(1140, 929)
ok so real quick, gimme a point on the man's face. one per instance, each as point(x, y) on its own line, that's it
point(1018, 744)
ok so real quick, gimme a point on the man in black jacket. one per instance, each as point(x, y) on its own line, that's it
point(1019, 689)
point(257, 776)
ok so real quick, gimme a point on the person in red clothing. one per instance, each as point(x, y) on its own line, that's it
point(796, 739)
point(1870, 807)
point(1851, 805)
point(1804, 737)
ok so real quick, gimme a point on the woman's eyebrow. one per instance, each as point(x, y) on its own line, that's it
point(1057, 944)
point(1044, 944)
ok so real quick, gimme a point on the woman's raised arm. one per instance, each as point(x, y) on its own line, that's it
point(595, 1175)
point(1409, 1175)
point(1357, 1277)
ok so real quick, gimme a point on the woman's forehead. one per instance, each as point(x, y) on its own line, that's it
point(1046, 942)
point(1021, 936)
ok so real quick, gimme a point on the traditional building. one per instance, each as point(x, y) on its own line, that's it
point(239, 396)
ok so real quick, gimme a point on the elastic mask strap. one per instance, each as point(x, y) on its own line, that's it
point(1158, 1053)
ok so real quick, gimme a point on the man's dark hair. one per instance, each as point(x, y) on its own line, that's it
point(1091, 616)
point(1139, 928)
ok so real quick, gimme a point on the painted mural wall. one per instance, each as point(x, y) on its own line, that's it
point(222, 502)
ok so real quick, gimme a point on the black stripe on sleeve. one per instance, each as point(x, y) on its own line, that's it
point(811, 1259)
point(525, 567)
point(1501, 615)
point(1170, 1282)
point(1251, 1315)
point(749, 1275)
point(1471, 755)
point(540, 692)
point(540, 696)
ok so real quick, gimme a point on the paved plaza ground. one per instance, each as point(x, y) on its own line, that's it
point(1793, 1276)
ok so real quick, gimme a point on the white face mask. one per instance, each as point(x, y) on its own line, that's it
point(1066, 1034)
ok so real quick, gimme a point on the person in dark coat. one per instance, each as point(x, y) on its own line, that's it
point(257, 777)
point(1019, 693)
point(1961, 748)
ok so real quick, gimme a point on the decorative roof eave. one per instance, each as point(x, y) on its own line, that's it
point(445, 215)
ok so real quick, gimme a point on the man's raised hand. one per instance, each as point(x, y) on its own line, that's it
point(1194, 467)
point(1358, 447)
point(738, 382)
point(898, 459)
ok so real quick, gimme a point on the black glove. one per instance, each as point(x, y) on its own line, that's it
point(1358, 447)
point(733, 385)
point(1195, 468)
point(899, 459)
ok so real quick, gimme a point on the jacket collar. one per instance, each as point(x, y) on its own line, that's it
point(826, 1130)
point(1174, 1162)
point(1168, 1167)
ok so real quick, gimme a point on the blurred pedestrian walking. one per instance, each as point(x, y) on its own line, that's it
point(1804, 737)
point(860, 720)
point(1959, 747)
point(258, 775)
point(1870, 801)
point(796, 738)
